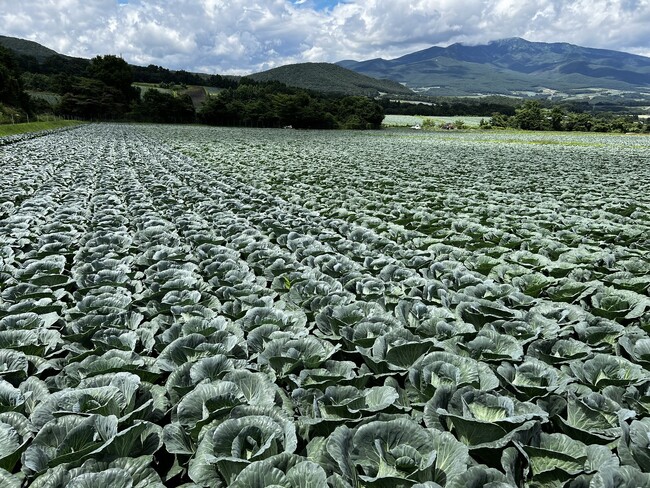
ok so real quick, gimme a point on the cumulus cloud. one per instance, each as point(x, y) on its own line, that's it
point(244, 36)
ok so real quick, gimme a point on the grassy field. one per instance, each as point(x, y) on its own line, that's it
point(410, 120)
point(13, 129)
point(197, 93)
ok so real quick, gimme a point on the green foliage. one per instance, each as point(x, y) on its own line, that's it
point(530, 116)
point(442, 106)
point(211, 307)
point(113, 71)
point(273, 104)
point(499, 120)
point(533, 116)
point(459, 124)
point(428, 123)
point(158, 74)
point(11, 89)
point(160, 107)
point(12, 129)
point(91, 99)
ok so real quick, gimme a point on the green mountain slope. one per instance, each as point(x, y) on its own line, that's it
point(321, 77)
point(327, 77)
point(24, 47)
point(511, 66)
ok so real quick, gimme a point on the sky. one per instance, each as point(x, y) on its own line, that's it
point(246, 36)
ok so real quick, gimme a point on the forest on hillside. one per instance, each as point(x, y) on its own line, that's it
point(103, 90)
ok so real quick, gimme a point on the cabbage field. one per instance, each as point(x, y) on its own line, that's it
point(220, 307)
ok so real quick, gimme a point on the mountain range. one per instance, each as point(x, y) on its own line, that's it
point(512, 66)
point(320, 77)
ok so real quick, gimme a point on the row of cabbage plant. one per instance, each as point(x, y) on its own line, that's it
point(172, 321)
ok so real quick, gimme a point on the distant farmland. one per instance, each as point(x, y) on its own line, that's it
point(197, 93)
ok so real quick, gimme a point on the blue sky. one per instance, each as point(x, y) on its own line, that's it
point(318, 4)
point(244, 36)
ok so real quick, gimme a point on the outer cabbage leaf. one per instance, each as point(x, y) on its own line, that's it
point(11, 398)
point(604, 370)
point(393, 452)
point(490, 346)
point(634, 445)
point(560, 351)
point(532, 379)
point(396, 350)
point(556, 458)
point(131, 472)
point(110, 362)
point(15, 436)
point(333, 318)
point(619, 304)
point(348, 402)
point(484, 419)
point(9, 480)
point(620, 477)
point(593, 419)
point(69, 439)
point(250, 434)
point(479, 312)
point(443, 369)
point(105, 400)
point(283, 470)
point(331, 373)
point(480, 477)
point(285, 355)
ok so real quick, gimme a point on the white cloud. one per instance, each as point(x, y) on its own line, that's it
point(249, 35)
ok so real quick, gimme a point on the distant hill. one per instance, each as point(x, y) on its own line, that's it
point(512, 67)
point(36, 58)
point(27, 48)
point(327, 77)
point(322, 77)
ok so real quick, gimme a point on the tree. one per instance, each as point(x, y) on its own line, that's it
point(499, 120)
point(113, 71)
point(273, 104)
point(165, 108)
point(579, 122)
point(361, 113)
point(530, 116)
point(92, 99)
point(557, 118)
point(11, 88)
point(219, 110)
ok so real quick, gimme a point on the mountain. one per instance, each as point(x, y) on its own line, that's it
point(322, 77)
point(36, 58)
point(24, 47)
point(512, 67)
point(327, 77)
point(504, 67)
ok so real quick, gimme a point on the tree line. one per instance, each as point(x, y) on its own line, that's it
point(105, 91)
point(433, 107)
point(102, 89)
point(531, 115)
point(13, 99)
point(273, 104)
